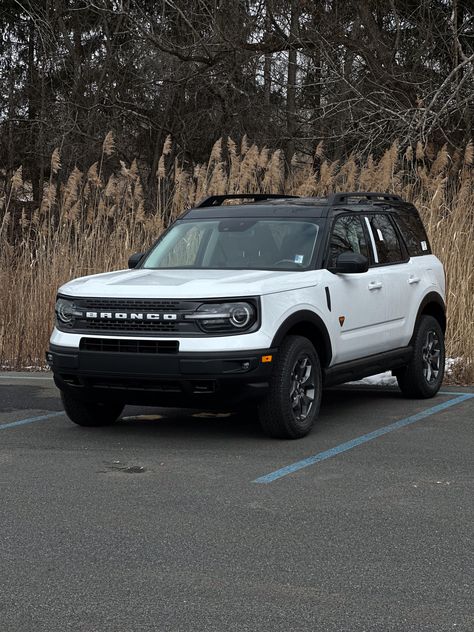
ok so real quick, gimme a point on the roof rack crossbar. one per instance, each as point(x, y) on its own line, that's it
point(217, 200)
point(341, 198)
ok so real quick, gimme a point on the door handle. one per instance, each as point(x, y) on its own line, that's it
point(413, 279)
point(375, 285)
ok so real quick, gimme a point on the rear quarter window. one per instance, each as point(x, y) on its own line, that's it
point(413, 232)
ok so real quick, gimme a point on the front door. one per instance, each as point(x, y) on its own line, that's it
point(359, 301)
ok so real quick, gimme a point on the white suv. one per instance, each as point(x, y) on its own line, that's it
point(263, 302)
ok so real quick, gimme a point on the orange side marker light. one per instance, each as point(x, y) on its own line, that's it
point(267, 358)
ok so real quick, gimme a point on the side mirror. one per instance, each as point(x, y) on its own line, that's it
point(134, 260)
point(350, 263)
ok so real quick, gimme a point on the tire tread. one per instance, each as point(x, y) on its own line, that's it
point(90, 414)
point(411, 381)
point(274, 414)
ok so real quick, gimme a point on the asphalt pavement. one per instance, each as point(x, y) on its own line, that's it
point(189, 521)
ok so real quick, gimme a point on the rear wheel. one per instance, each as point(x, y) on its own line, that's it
point(423, 376)
point(291, 406)
point(91, 414)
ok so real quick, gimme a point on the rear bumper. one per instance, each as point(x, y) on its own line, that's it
point(165, 379)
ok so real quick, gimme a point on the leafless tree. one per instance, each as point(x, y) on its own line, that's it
point(289, 74)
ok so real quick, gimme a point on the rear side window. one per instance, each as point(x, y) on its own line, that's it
point(387, 244)
point(413, 232)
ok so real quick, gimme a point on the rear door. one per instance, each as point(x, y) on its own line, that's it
point(396, 274)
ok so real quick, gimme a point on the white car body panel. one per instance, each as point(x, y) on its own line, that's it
point(364, 314)
point(430, 271)
point(186, 284)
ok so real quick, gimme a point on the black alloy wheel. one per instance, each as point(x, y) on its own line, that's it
point(291, 406)
point(302, 387)
point(423, 375)
point(431, 356)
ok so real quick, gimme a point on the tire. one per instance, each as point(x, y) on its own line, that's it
point(291, 406)
point(423, 376)
point(90, 414)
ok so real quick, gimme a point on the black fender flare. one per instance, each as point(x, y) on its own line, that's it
point(431, 297)
point(306, 319)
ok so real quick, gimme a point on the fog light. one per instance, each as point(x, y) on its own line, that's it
point(49, 358)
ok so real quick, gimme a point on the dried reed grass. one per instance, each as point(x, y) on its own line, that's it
point(86, 225)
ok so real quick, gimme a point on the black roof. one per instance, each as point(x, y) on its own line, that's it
point(272, 205)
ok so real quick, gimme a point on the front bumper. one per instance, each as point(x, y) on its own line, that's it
point(185, 380)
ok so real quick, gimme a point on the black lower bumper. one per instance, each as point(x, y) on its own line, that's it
point(189, 380)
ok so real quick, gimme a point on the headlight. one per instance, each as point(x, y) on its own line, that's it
point(240, 315)
point(66, 311)
point(224, 317)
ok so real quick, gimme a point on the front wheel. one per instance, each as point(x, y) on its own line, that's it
point(423, 376)
point(91, 414)
point(291, 406)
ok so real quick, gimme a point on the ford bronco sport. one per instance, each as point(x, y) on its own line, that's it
point(265, 301)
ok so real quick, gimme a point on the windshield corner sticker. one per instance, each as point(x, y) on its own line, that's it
point(424, 245)
point(299, 258)
point(341, 320)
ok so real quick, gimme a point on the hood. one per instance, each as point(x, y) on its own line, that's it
point(189, 284)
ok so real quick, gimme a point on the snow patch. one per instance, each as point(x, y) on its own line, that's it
point(381, 379)
point(450, 364)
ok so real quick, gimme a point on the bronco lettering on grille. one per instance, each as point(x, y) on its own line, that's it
point(128, 316)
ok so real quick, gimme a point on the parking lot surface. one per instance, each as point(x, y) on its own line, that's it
point(186, 521)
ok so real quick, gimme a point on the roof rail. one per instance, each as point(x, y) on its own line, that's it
point(217, 200)
point(342, 198)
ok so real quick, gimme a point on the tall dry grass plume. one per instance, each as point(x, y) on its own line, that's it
point(91, 222)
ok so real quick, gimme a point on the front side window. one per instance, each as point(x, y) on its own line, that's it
point(386, 240)
point(260, 244)
point(347, 236)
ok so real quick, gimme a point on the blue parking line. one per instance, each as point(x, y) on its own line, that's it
point(29, 420)
point(449, 392)
point(353, 443)
point(25, 377)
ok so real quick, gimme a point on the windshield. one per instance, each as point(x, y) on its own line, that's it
point(258, 244)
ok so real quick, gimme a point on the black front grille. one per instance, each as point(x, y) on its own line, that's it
point(131, 326)
point(122, 326)
point(132, 304)
point(109, 345)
